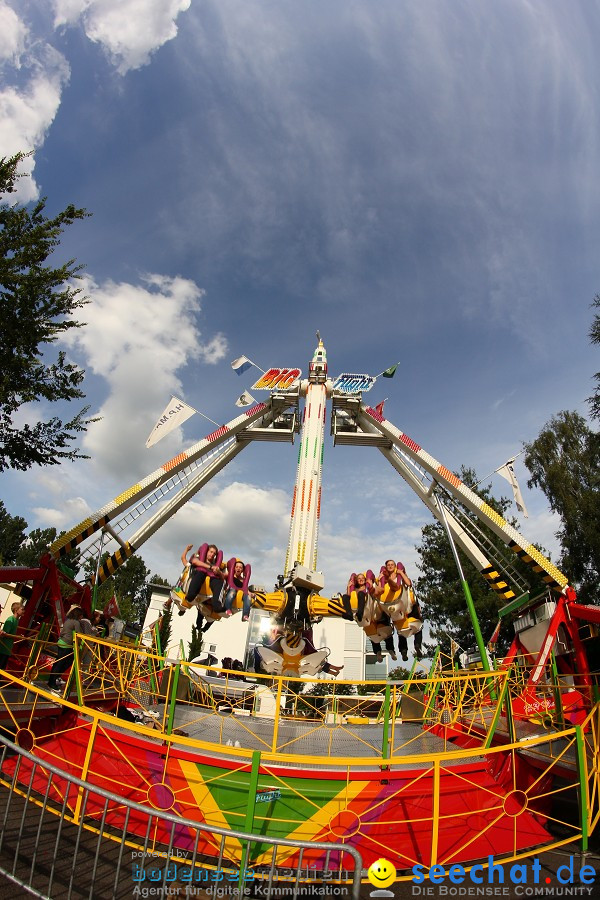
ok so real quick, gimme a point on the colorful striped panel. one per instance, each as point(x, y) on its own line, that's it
point(553, 577)
point(174, 462)
point(217, 434)
point(449, 476)
point(410, 443)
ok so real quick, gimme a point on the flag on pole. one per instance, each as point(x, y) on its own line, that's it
point(379, 408)
point(245, 400)
point(111, 610)
point(494, 638)
point(241, 365)
point(389, 373)
point(507, 471)
point(176, 412)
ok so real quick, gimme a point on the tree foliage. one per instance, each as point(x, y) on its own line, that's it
point(19, 549)
point(130, 585)
point(164, 629)
point(12, 535)
point(439, 587)
point(196, 643)
point(39, 300)
point(594, 400)
point(564, 461)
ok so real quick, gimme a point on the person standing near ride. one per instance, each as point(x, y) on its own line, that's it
point(7, 634)
point(64, 645)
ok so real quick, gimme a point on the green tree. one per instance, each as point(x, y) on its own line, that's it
point(39, 301)
point(164, 629)
point(564, 461)
point(400, 674)
point(12, 535)
point(439, 587)
point(35, 545)
point(594, 400)
point(129, 584)
point(195, 644)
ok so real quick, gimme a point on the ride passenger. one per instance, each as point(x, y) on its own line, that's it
point(392, 576)
point(363, 585)
point(238, 581)
point(413, 613)
point(201, 568)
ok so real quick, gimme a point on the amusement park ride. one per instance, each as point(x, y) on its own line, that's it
point(399, 798)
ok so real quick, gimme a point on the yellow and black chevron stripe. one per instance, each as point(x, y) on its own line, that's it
point(67, 542)
point(110, 566)
point(271, 602)
point(325, 606)
point(497, 582)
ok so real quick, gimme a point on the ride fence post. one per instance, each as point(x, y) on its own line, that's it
point(466, 590)
point(277, 715)
point(510, 721)
point(582, 771)
point(385, 739)
point(75, 668)
point(496, 716)
point(250, 810)
point(161, 662)
point(173, 697)
point(560, 713)
point(39, 641)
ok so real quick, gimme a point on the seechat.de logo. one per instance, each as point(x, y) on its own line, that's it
point(524, 879)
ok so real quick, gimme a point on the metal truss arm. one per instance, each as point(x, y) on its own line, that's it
point(431, 474)
point(164, 478)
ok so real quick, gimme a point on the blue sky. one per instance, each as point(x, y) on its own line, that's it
point(418, 181)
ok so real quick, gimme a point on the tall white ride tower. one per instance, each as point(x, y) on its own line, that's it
point(301, 556)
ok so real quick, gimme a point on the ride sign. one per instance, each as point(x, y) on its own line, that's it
point(280, 379)
point(353, 384)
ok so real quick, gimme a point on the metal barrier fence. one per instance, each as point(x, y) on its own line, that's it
point(184, 695)
point(63, 856)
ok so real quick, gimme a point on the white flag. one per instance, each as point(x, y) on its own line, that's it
point(245, 400)
point(175, 414)
point(241, 365)
point(507, 471)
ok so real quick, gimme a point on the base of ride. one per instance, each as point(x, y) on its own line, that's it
point(279, 776)
point(458, 767)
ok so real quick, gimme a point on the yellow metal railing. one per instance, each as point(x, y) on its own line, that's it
point(440, 773)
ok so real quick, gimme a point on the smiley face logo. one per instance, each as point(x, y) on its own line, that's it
point(381, 873)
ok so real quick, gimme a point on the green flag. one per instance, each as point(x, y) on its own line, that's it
point(389, 373)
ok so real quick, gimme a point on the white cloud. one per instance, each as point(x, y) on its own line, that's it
point(28, 110)
point(241, 519)
point(12, 34)
point(136, 339)
point(128, 30)
point(63, 518)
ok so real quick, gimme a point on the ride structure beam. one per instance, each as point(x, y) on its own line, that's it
point(263, 413)
point(152, 525)
point(437, 474)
